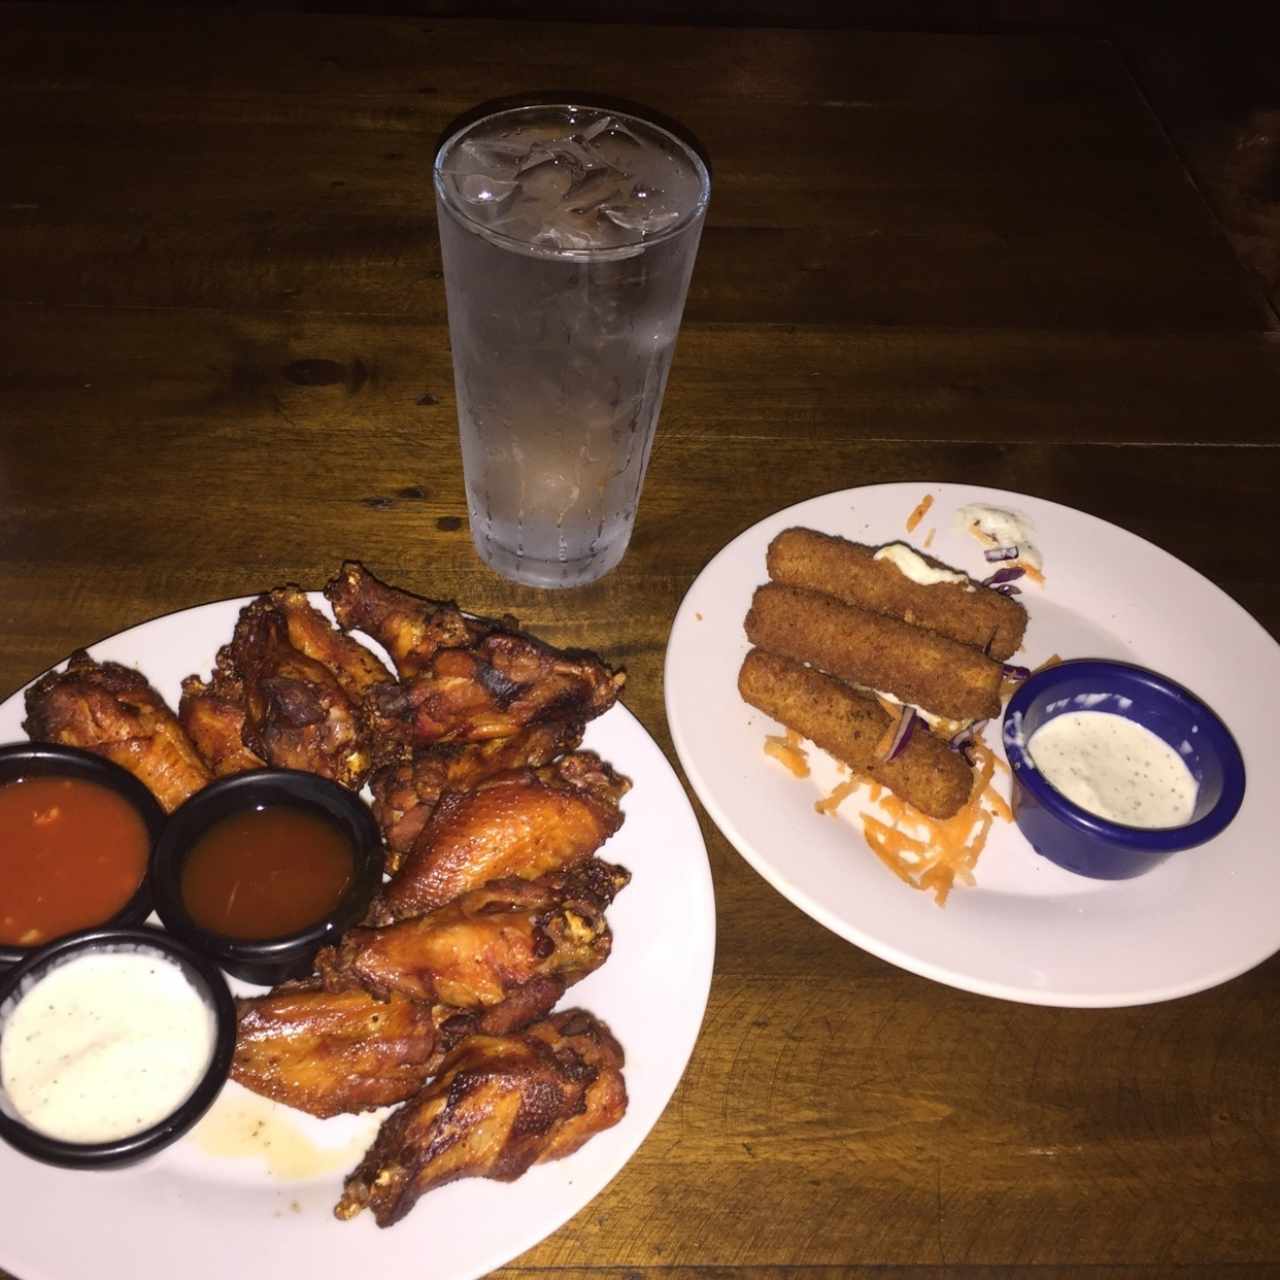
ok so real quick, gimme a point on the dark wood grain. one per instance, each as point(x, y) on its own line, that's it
point(224, 365)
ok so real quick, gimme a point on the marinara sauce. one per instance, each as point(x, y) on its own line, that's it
point(266, 872)
point(72, 853)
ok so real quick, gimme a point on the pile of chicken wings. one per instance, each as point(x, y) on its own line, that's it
point(442, 999)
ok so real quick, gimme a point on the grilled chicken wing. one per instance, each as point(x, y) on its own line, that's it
point(213, 716)
point(412, 630)
point(493, 689)
point(404, 795)
point(499, 1105)
point(482, 946)
point(310, 632)
point(298, 716)
point(329, 1052)
point(111, 709)
point(524, 824)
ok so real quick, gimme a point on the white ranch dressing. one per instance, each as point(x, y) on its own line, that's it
point(996, 527)
point(914, 566)
point(1115, 768)
point(105, 1045)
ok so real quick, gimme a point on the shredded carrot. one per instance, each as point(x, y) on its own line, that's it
point(998, 803)
point(787, 754)
point(1008, 687)
point(929, 854)
point(940, 879)
point(921, 510)
point(892, 709)
point(885, 744)
point(1036, 575)
point(887, 845)
point(928, 539)
point(943, 850)
point(829, 804)
point(1047, 663)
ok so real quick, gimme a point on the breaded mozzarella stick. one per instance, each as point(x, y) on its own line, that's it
point(871, 649)
point(849, 725)
point(975, 615)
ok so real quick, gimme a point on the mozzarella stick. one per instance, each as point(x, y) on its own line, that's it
point(849, 725)
point(871, 649)
point(972, 614)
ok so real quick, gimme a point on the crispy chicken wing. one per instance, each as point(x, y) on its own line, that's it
point(525, 824)
point(408, 627)
point(493, 689)
point(213, 715)
point(110, 709)
point(298, 716)
point(310, 632)
point(499, 1105)
point(482, 946)
point(405, 794)
point(329, 1052)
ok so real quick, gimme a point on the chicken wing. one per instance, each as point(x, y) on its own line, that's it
point(311, 633)
point(482, 946)
point(329, 1052)
point(213, 716)
point(412, 630)
point(525, 823)
point(298, 716)
point(493, 689)
point(405, 794)
point(111, 710)
point(499, 1105)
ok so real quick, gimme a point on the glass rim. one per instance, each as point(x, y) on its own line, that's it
point(603, 253)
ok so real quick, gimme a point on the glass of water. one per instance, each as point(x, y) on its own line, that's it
point(568, 236)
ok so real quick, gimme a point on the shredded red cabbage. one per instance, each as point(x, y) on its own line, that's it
point(906, 722)
point(1014, 672)
point(964, 740)
point(1008, 589)
point(1010, 574)
point(993, 554)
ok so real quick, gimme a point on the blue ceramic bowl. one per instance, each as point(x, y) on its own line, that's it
point(1082, 842)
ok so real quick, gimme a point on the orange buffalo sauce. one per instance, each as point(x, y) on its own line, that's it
point(72, 853)
point(266, 873)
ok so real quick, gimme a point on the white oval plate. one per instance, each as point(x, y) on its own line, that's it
point(1029, 930)
point(209, 1216)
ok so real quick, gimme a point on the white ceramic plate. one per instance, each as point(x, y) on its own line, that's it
point(1028, 930)
point(217, 1204)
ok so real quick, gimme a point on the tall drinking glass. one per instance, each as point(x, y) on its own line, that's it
point(568, 236)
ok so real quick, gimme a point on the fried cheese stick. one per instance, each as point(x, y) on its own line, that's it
point(849, 725)
point(974, 615)
point(926, 670)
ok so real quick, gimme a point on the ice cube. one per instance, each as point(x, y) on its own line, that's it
point(598, 128)
point(594, 188)
point(481, 188)
point(491, 155)
point(645, 221)
point(643, 210)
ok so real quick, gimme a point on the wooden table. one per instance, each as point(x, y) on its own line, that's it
point(965, 258)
